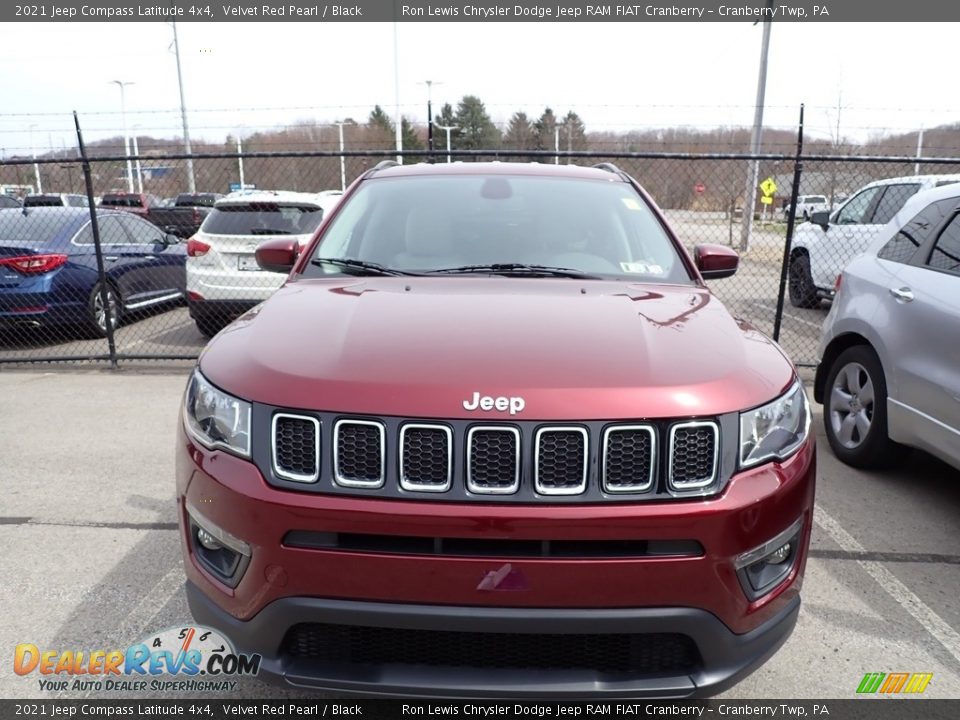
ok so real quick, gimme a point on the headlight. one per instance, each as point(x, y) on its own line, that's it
point(215, 419)
point(775, 430)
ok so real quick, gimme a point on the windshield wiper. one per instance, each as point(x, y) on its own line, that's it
point(517, 269)
point(370, 268)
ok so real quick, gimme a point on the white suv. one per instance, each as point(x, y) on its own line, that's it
point(807, 205)
point(223, 278)
point(822, 247)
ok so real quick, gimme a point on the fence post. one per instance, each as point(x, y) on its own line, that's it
point(95, 227)
point(791, 219)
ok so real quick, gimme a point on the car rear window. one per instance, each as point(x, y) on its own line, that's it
point(42, 201)
point(38, 227)
point(196, 200)
point(121, 201)
point(263, 219)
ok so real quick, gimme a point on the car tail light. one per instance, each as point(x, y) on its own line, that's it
point(196, 248)
point(837, 283)
point(35, 264)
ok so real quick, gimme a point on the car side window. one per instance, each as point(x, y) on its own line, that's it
point(141, 232)
point(946, 251)
point(85, 236)
point(111, 233)
point(902, 246)
point(855, 211)
point(894, 198)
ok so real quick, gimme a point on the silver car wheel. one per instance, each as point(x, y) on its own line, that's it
point(851, 405)
point(99, 309)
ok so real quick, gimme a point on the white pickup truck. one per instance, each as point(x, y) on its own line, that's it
point(807, 205)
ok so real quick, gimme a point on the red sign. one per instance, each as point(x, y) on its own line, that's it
point(699, 188)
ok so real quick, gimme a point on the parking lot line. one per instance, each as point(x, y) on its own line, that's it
point(938, 628)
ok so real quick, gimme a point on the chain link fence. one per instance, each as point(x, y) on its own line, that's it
point(160, 270)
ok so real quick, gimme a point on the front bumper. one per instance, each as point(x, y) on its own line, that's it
point(726, 656)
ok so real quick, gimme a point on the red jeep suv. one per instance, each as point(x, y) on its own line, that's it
point(495, 437)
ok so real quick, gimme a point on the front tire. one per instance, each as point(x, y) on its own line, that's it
point(209, 327)
point(96, 325)
point(855, 410)
point(803, 293)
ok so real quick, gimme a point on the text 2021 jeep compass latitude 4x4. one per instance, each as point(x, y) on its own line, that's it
point(495, 437)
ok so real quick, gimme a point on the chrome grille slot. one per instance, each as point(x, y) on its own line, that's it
point(561, 461)
point(359, 453)
point(493, 460)
point(296, 447)
point(694, 453)
point(629, 459)
point(426, 458)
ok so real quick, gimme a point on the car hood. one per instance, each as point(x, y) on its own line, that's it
point(421, 347)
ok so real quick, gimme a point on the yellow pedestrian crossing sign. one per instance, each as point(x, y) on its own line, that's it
point(768, 186)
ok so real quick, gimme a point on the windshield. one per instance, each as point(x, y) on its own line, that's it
point(423, 224)
point(263, 219)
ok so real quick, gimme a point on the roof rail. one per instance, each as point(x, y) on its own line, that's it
point(384, 164)
point(610, 167)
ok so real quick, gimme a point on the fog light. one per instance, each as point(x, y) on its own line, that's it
point(763, 568)
point(207, 540)
point(780, 555)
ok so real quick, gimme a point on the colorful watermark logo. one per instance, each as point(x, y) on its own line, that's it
point(187, 652)
point(894, 683)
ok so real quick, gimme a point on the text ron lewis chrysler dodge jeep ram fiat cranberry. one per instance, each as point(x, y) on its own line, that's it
point(495, 437)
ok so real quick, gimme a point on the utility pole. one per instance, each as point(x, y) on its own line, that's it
point(343, 164)
point(430, 84)
point(36, 167)
point(136, 151)
point(240, 159)
point(191, 181)
point(126, 135)
point(756, 137)
point(448, 128)
point(916, 167)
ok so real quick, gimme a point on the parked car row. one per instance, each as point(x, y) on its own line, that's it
point(48, 266)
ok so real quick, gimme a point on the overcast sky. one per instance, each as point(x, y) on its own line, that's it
point(250, 76)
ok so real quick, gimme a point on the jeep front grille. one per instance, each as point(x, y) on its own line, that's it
point(359, 457)
point(522, 461)
point(493, 460)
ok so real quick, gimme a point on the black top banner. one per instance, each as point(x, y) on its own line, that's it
point(485, 11)
point(490, 709)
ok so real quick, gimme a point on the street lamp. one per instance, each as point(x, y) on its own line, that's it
point(191, 181)
point(343, 164)
point(126, 136)
point(36, 166)
point(430, 84)
point(448, 128)
point(136, 151)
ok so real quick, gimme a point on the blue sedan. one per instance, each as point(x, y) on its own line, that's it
point(48, 267)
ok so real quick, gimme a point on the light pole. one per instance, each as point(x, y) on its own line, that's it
point(343, 164)
point(191, 182)
point(448, 128)
point(397, 119)
point(240, 157)
point(753, 172)
point(430, 84)
point(136, 152)
point(36, 167)
point(916, 166)
point(126, 135)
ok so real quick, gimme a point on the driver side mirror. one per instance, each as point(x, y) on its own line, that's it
point(278, 255)
point(821, 218)
point(170, 239)
point(715, 261)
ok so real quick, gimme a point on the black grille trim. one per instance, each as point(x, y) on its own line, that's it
point(345, 480)
point(651, 478)
point(687, 484)
point(488, 489)
point(413, 485)
point(285, 471)
point(489, 547)
point(622, 654)
point(571, 489)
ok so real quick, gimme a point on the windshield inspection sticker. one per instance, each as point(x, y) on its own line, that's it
point(631, 203)
point(641, 268)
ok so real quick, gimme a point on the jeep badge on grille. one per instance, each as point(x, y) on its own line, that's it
point(502, 404)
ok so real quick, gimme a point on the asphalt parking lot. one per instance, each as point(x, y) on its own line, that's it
point(91, 556)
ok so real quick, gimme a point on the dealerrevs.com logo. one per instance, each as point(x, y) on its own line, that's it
point(894, 683)
point(200, 658)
